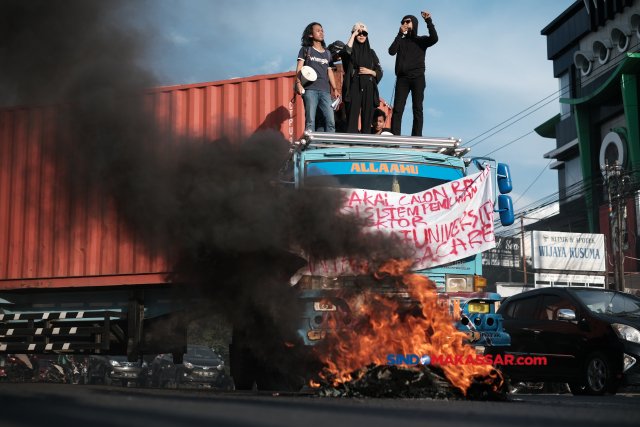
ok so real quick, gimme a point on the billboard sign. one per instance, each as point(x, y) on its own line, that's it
point(507, 253)
point(568, 251)
point(544, 279)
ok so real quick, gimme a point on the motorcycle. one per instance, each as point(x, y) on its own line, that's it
point(17, 371)
point(57, 373)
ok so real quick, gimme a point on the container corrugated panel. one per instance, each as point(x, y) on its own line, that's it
point(49, 238)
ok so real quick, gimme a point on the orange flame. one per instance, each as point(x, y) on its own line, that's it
point(385, 329)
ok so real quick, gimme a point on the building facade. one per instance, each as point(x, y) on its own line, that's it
point(595, 49)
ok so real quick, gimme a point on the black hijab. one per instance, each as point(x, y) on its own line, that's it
point(362, 55)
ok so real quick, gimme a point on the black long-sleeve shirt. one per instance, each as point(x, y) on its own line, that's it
point(411, 50)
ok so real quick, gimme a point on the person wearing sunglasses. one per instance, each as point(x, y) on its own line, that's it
point(410, 49)
point(360, 82)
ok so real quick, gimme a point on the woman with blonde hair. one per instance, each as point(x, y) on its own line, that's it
point(361, 78)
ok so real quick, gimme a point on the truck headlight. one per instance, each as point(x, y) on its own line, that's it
point(458, 283)
point(626, 332)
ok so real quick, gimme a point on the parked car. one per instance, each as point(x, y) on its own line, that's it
point(589, 337)
point(201, 367)
point(117, 370)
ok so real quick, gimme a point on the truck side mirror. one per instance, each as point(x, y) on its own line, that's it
point(505, 207)
point(504, 179)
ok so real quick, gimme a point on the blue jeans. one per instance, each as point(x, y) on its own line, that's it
point(318, 100)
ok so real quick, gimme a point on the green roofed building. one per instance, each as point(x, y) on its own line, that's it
point(595, 49)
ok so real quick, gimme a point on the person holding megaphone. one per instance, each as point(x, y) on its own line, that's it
point(314, 78)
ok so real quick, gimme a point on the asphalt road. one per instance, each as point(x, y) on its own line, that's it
point(39, 405)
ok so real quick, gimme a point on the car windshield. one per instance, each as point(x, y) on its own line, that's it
point(403, 178)
point(614, 303)
point(201, 352)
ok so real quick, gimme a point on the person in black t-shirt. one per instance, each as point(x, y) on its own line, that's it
point(316, 95)
point(410, 49)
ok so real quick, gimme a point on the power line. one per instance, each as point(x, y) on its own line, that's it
point(534, 181)
point(512, 123)
point(517, 139)
point(560, 92)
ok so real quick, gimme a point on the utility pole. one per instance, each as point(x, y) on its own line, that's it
point(616, 176)
point(620, 199)
point(612, 244)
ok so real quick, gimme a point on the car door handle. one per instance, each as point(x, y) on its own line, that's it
point(536, 332)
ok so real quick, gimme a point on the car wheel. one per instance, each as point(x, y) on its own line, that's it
point(597, 376)
point(107, 381)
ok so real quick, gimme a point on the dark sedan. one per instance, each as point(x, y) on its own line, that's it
point(589, 337)
point(117, 370)
point(201, 367)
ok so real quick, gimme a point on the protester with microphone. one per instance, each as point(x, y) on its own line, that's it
point(410, 49)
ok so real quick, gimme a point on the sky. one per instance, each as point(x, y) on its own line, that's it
point(489, 64)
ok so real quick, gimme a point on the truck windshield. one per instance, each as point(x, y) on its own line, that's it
point(406, 178)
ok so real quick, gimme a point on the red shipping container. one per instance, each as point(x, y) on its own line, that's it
point(49, 239)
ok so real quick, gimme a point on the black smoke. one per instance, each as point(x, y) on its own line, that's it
point(214, 203)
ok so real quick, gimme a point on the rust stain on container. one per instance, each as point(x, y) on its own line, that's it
point(47, 233)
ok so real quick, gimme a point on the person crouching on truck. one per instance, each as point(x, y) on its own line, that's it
point(361, 77)
point(410, 50)
point(316, 95)
point(377, 125)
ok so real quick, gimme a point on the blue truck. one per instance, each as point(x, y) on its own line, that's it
point(460, 283)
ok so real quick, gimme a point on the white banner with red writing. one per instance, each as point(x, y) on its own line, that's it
point(437, 226)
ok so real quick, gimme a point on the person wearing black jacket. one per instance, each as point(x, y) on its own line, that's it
point(410, 50)
point(360, 83)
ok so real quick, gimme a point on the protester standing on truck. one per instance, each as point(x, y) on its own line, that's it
point(316, 95)
point(410, 50)
point(362, 73)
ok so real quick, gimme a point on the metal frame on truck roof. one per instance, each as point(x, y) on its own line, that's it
point(448, 146)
